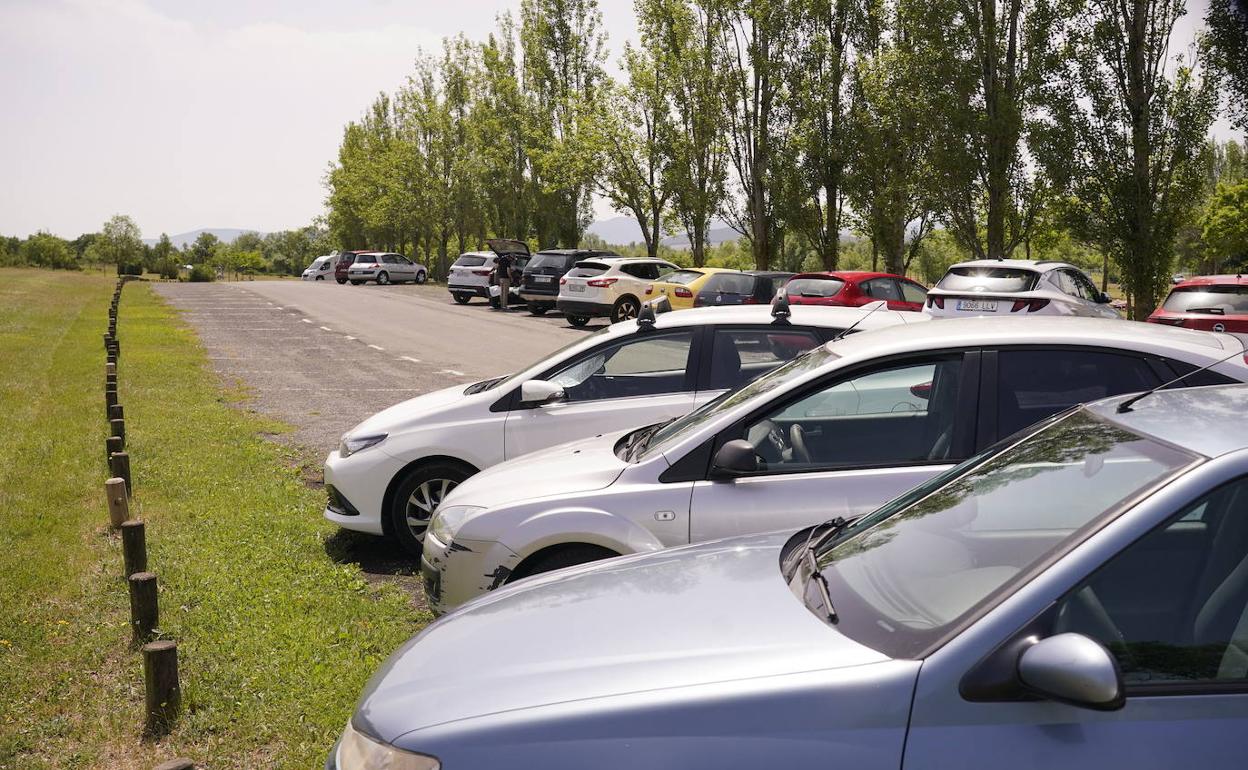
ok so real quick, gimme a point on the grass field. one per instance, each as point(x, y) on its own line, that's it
point(275, 638)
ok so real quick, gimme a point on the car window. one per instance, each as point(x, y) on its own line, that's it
point(814, 287)
point(1086, 288)
point(882, 288)
point(587, 270)
point(1004, 279)
point(912, 292)
point(644, 365)
point(326, 265)
point(739, 356)
point(1214, 300)
point(902, 414)
point(682, 277)
point(1173, 606)
point(1034, 384)
point(469, 260)
point(729, 283)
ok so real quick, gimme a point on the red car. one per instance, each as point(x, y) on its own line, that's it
point(1210, 302)
point(852, 288)
point(345, 260)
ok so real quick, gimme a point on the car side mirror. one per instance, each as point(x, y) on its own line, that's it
point(1103, 298)
point(1073, 669)
point(735, 458)
point(538, 392)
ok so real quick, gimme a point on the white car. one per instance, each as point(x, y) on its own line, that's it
point(1009, 287)
point(608, 287)
point(385, 268)
point(391, 471)
point(834, 433)
point(320, 269)
point(470, 276)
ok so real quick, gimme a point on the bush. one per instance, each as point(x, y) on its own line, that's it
point(134, 269)
point(202, 274)
point(168, 269)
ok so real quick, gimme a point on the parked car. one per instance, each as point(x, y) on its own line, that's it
point(392, 470)
point(539, 286)
point(835, 432)
point(320, 267)
point(752, 287)
point(1075, 597)
point(852, 288)
point(470, 275)
point(1214, 302)
point(1002, 287)
point(343, 264)
point(608, 287)
point(385, 268)
point(682, 286)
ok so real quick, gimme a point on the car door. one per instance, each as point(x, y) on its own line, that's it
point(913, 294)
point(645, 378)
point(1171, 607)
point(405, 267)
point(887, 290)
point(843, 446)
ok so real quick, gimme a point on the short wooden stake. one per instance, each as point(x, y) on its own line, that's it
point(133, 547)
point(115, 412)
point(144, 611)
point(160, 680)
point(110, 381)
point(176, 764)
point(112, 445)
point(118, 424)
point(110, 368)
point(108, 341)
point(119, 466)
point(110, 398)
point(118, 503)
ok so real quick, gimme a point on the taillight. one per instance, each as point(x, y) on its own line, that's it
point(750, 300)
point(649, 288)
point(683, 292)
point(562, 281)
point(602, 283)
point(937, 301)
point(1032, 305)
point(482, 272)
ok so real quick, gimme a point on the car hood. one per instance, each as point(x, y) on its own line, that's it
point(579, 466)
point(412, 412)
point(712, 612)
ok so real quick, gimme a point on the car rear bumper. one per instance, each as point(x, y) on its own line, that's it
point(529, 295)
point(577, 307)
point(476, 291)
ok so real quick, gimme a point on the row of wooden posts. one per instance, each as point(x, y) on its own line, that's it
point(162, 692)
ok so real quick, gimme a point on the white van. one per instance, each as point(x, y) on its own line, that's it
point(320, 269)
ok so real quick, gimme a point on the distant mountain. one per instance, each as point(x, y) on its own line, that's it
point(621, 231)
point(225, 234)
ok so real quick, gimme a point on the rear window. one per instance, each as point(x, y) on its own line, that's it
point(730, 283)
point(560, 261)
point(1214, 300)
point(682, 277)
point(1009, 279)
point(587, 270)
point(469, 260)
point(814, 287)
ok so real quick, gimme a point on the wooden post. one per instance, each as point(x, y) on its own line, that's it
point(110, 381)
point(111, 359)
point(108, 341)
point(180, 763)
point(133, 547)
point(115, 412)
point(118, 424)
point(160, 683)
point(110, 368)
point(118, 503)
point(144, 611)
point(110, 400)
point(112, 445)
point(119, 466)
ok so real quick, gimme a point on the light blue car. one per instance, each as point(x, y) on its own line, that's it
point(1076, 597)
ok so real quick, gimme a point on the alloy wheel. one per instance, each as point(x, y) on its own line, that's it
point(424, 499)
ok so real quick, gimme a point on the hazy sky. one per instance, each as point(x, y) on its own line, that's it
point(205, 113)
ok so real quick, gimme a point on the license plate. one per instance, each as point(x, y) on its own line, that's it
point(543, 278)
point(978, 305)
point(576, 287)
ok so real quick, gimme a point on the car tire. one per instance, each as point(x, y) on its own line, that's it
point(625, 308)
point(383, 278)
point(415, 499)
point(537, 308)
point(420, 277)
point(577, 320)
point(341, 281)
point(356, 283)
point(462, 298)
point(568, 556)
point(320, 278)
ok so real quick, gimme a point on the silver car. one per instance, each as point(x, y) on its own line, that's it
point(385, 268)
point(1074, 597)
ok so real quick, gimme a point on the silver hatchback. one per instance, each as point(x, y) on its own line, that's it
point(1075, 597)
point(385, 268)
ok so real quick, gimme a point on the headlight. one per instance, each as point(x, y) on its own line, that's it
point(352, 444)
point(447, 521)
point(358, 752)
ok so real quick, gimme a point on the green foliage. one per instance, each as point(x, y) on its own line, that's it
point(1224, 225)
point(203, 250)
point(119, 243)
point(202, 274)
point(1227, 39)
point(46, 250)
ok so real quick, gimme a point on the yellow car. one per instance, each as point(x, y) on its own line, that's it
point(682, 286)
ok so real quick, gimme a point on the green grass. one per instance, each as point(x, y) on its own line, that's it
point(275, 638)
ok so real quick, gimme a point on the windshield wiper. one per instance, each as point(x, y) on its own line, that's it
point(808, 555)
point(638, 442)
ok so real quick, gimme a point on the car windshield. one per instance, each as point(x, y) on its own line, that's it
point(587, 270)
point(469, 261)
point(814, 287)
point(676, 430)
point(1216, 300)
point(902, 578)
point(989, 279)
point(730, 283)
point(682, 277)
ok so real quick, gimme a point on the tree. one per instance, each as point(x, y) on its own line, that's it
point(498, 131)
point(1124, 135)
point(1224, 226)
point(46, 250)
point(120, 243)
point(161, 258)
point(1227, 23)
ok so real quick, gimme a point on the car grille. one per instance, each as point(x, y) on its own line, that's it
point(339, 504)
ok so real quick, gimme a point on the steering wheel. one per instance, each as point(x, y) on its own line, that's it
point(797, 439)
point(771, 442)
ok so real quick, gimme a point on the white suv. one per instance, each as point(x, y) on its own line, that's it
point(1009, 287)
point(392, 470)
point(610, 287)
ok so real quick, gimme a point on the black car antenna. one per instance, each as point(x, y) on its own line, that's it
point(879, 303)
point(1125, 406)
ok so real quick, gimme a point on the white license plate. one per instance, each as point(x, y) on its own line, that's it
point(978, 305)
point(543, 278)
point(576, 287)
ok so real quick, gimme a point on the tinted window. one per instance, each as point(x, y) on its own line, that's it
point(729, 283)
point(468, 260)
point(1034, 384)
point(1207, 377)
point(912, 292)
point(814, 287)
point(557, 261)
point(1215, 300)
point(639, 271)
point(639, 366)
point(739, 356)
point(988, 279)
point(587, 270)
point(683, 277)
point(882, 288)
point(1173, 607)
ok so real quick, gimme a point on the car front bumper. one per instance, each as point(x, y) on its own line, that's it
point(577, 307)
point(358, 483)
point(453, 573)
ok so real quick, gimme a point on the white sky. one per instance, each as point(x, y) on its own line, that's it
point(205, 113)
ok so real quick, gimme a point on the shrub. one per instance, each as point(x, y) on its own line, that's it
point(202, 274)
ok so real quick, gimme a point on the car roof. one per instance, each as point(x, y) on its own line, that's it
point(486, 254)
point(853, 275)
point(767, 273)
point(1213, 280)
point(1211, 420)
point(573, 252)
point(1039, 265)
point(799, 315)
